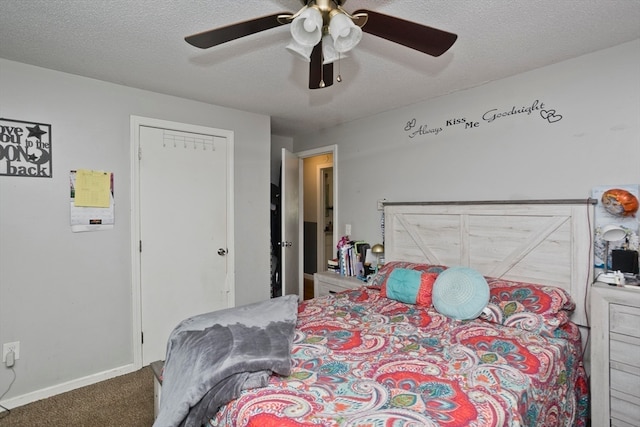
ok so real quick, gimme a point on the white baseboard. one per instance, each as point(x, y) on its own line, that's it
point(17, 401)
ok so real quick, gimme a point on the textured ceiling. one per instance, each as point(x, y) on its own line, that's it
point(140, 43)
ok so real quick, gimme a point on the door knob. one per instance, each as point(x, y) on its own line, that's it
point(222, 252)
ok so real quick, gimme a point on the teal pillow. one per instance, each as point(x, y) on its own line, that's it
point(460, 293)
point(403, 285)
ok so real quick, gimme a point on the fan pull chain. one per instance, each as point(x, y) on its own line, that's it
point(321, 84)
point(339, 78)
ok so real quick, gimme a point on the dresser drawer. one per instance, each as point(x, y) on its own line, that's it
point(625, 382)
point(625, 408)
point(326, 283)
point(618, 423)
point(624, 349)
point(624, 319)
point(330, 288)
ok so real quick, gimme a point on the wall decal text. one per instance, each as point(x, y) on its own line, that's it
point(536, 109)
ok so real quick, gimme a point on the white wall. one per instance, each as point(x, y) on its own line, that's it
point(67, 296)
point(520, 156)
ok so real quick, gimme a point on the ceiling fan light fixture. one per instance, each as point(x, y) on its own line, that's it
point(346, 35)
point(300, 51)
point(306, 28)
point(318, 18)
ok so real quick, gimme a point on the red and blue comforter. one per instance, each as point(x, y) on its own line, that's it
point(360, 359)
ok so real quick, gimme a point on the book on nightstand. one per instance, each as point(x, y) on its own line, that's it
point(333, 265)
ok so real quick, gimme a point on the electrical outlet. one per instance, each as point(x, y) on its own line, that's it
point(347, 229)
point(11, 347)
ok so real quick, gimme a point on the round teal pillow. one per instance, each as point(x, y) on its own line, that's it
point(460, 293)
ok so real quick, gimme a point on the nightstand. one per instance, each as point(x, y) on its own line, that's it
point(615, 356)
point(328, 282)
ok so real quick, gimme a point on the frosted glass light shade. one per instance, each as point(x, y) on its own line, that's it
point(346, 35)
point(300, 51)
point(329, 53)
point(306, 28)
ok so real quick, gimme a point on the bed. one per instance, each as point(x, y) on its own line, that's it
point(367, 357)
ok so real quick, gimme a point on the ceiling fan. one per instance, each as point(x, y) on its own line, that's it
point(323, 32)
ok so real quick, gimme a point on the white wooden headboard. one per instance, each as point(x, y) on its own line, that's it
point(539, 241)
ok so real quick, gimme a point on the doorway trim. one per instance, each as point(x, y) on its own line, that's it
point(136, 280)
point(321, 213)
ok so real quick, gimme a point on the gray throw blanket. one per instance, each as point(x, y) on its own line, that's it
point(212, 357)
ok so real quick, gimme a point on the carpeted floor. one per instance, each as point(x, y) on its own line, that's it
point(124, 401)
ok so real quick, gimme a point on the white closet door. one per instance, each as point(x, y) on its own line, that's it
point(183, 229)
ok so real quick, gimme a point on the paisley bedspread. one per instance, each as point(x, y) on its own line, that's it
point(360, 359)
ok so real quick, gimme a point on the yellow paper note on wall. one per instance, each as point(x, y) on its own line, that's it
point(93, 188)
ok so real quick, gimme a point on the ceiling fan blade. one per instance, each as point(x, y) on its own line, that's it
point(210, 38)
point(425, 39)
point(317, 71)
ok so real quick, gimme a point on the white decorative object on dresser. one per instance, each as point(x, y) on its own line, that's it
point(328, 282)
point(615, 356)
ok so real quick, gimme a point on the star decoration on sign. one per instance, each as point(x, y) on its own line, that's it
point(36, 131)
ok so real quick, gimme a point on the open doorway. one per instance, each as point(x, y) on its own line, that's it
point(308, 192)
point(318, 216)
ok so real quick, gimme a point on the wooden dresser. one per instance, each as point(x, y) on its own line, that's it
point(615, 356)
